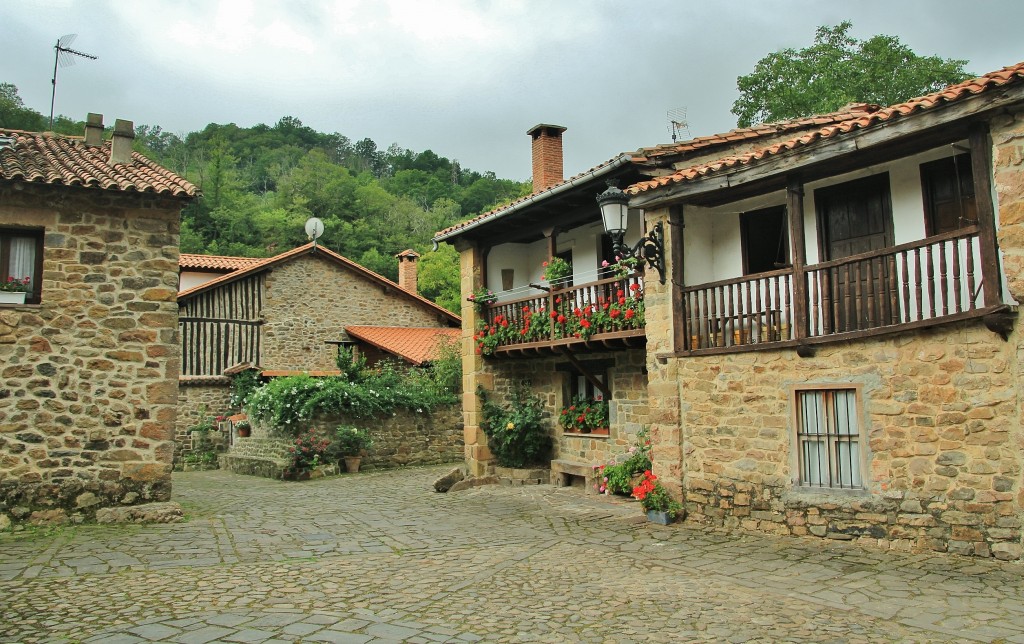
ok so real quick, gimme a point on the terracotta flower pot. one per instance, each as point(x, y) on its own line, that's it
point(352, 463)
point(244, 432)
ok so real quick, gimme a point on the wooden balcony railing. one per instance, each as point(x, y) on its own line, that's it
point(741, 311)
point(602, 310)
point(913, 284)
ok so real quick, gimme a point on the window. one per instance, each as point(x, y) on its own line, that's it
point(948, 186)
point(828, 438)
point(21, 255)
point(578, 388)
point(606, 254)
point(566, 256)
point(764, 235)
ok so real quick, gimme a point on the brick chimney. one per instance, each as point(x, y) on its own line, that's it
point(121, 142)
point(94, 129)
point(407, 269)
point(547, 155)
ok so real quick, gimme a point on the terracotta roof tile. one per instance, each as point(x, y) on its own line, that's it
point(953, 93)
point(216, 262)
point(415, 344)
point(759, 131)
point(67, 161)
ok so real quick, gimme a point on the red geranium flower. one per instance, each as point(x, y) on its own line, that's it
point(629, 314)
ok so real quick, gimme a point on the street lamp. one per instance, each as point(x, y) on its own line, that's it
point(614, 206)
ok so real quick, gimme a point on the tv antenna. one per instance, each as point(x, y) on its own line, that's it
point(65, 56)
point(677, 123)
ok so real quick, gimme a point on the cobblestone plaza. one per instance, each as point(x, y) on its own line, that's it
point(381, 557)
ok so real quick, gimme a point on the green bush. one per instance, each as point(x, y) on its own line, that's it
point(242, 385)
point(514, 432)
point(286, 404)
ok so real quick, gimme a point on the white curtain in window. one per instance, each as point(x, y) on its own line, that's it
point(23, 259)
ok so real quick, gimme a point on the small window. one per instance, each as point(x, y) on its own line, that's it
point(828, 438)
point(579, 389)
point(764, 235)
point(948, 186)
point(21, 255)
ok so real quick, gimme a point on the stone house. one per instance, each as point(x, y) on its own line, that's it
point(90, 359)
point(287, 314)
point(851, 372)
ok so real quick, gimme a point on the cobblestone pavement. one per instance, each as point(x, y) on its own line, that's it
point(380, 557)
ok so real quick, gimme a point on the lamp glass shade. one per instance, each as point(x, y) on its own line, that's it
point(613, 215)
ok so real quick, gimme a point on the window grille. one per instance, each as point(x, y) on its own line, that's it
point(828, 438)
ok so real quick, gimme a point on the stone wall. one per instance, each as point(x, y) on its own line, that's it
point(941, 431)
point(406, 438)
point(199, 397)
point(87, 404)
point(310, 300)
point(628, 406)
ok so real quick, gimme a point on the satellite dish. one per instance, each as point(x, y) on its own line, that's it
point(314, 228)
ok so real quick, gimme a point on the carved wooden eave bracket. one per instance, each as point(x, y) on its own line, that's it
point(1001, 321)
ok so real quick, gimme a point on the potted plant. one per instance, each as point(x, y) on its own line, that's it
point(243, 428)
point(557, 271)
point(351, 443)
point(656, 501)
point(13, 290)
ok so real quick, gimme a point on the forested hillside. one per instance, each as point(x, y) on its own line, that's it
point(261, 183)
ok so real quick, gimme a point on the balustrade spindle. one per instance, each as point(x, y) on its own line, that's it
point(930, 268)
point(970, 274)
point(957, 288)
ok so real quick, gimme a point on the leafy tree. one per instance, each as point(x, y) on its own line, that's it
point(437, 277)
point(836, 70)
point(14, 114)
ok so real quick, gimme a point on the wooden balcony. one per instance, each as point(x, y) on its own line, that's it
point(921, 283)
point(604, 315)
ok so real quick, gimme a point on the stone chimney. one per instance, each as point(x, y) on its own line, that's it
point(121, 142)
point(94, 129)
point(547, 155)
point(407, 269)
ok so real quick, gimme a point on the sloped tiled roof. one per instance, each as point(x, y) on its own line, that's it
point(264, 264)
point(951, 94)
point(415, 344)
point(597, 170)
point(754, 132)
point(215, 262)
point(54, 159)
point(648, 155)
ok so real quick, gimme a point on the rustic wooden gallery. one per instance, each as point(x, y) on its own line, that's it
point(824, 336)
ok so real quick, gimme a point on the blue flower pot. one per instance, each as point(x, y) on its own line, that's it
point(662, 518)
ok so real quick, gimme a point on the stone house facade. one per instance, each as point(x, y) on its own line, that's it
point(835, 351)
point(90, 360)
point(285, 314)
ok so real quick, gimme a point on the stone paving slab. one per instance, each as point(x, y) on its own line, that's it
point(380, 557)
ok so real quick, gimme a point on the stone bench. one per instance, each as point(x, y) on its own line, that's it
point(563, 469)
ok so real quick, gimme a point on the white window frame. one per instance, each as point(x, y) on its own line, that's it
point(828, 422)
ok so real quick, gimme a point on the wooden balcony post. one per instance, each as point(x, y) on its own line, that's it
point(981, 167)
point(679, 315)
point(795, 212)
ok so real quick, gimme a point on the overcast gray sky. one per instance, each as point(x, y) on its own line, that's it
point(463, 78)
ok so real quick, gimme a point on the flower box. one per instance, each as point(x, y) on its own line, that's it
point(12, 297)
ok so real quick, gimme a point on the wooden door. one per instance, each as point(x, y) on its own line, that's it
point(854, 218)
